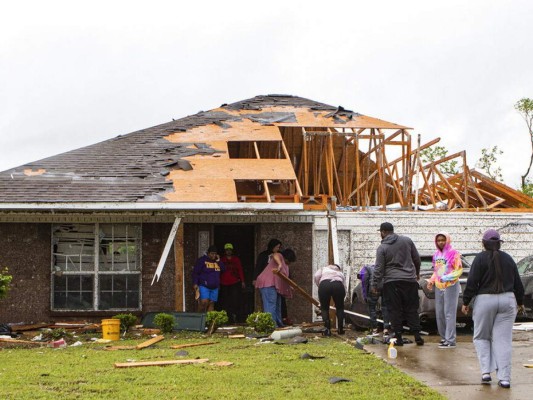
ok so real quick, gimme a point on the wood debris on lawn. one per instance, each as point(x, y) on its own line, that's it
point(150, 342)
point(181, 346)
point(19, 341)
point(159, 363)
point(112, 348)
point(222, 364)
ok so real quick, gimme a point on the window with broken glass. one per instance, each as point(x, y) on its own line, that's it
point(96, 267)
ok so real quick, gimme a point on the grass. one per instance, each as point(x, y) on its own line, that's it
point(260, 371)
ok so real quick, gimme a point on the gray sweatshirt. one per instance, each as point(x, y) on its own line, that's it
point(397, 259)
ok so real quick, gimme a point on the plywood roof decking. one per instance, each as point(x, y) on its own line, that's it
point(249, 169)
point(203, 190)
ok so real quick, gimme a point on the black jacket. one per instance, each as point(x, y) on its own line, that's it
point(480, 277)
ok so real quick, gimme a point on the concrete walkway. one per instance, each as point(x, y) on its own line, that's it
point(455, 372)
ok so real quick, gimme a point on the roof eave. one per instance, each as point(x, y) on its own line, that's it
point(121, 206)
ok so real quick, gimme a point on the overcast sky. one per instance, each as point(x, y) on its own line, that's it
point(74, 73)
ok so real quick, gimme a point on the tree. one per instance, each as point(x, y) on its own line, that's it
point(435, 153)
point(525, 109)
point(488, 163)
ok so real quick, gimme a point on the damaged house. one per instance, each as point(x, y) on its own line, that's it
point(117, 226)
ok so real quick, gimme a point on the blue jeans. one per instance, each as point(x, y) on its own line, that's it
point(272, 303)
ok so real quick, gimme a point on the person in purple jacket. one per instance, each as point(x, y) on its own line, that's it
point(206, 279)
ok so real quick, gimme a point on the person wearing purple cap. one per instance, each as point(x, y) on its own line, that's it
point(493, 291)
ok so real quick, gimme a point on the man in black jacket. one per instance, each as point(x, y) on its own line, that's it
point(397, 271)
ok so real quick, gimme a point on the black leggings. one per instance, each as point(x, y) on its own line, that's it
point(326, 291)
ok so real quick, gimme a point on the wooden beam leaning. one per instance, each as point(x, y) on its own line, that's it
point(295, 286)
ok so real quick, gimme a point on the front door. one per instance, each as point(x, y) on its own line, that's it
point(242, 237)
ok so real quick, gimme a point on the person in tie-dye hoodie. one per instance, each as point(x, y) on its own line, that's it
point(447, 268)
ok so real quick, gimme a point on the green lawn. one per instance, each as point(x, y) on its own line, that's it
point(260, 371)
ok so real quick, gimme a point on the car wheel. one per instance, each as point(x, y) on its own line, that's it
point(358, 307)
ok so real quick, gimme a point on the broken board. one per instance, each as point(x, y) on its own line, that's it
point(159, 363)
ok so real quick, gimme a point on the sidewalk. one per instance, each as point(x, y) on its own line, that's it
point(455, 372)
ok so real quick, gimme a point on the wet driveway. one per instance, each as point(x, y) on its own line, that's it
point(455, 372)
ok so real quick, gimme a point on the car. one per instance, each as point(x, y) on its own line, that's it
point(426, 309)
point(525, 269)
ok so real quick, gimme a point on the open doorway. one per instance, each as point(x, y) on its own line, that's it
point(242, 237)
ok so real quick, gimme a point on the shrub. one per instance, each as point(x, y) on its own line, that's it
point(126, 321)
point(5, 281)
point(165, 322)
point(219, 317)
point(56, 334)
point(262, 322)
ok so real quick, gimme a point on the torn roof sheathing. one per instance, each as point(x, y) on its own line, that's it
point(267, 148)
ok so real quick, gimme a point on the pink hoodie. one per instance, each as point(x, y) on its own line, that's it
point(447, 265)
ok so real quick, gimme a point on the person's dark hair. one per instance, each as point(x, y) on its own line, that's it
point(495, 266)
point(289, 255)
point(272, 243)
point(212, 249)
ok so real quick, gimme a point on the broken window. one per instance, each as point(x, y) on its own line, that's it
point(96, 267)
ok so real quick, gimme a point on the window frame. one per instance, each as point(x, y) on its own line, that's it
point(96, 272)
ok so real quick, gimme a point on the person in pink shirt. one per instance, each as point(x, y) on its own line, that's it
point(330, 282)
point(272, 287)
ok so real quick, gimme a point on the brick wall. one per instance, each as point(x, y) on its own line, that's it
point(160, 296)
point(25, 250)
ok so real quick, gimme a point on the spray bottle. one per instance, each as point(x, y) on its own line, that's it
point(391, 351)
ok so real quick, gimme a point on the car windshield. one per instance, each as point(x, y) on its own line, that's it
point(525, 265)
point(427, 264)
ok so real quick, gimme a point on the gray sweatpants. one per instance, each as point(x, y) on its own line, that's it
point(494, 315)
point(446, 311)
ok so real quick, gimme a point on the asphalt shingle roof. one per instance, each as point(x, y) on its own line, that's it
point(132, 167)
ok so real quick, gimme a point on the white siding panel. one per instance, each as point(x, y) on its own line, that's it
point(466, 229)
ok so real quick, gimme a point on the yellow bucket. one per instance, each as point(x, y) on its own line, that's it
point(111, 329)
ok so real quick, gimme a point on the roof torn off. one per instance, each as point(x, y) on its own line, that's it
point(267, 149)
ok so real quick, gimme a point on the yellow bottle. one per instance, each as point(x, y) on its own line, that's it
point(391, 351)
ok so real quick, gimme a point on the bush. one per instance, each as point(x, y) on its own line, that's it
point(219, 317)
point(165, 322)
point(56, 334)
point(5, 281)
point(126, 321)
point(262, 322)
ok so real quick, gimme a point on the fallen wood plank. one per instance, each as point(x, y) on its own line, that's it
point(22, 342)
point(32, 327)
point(112, 348)
point(159, 363)
point(150, 342)
point(241, 336)
point(181, 346)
